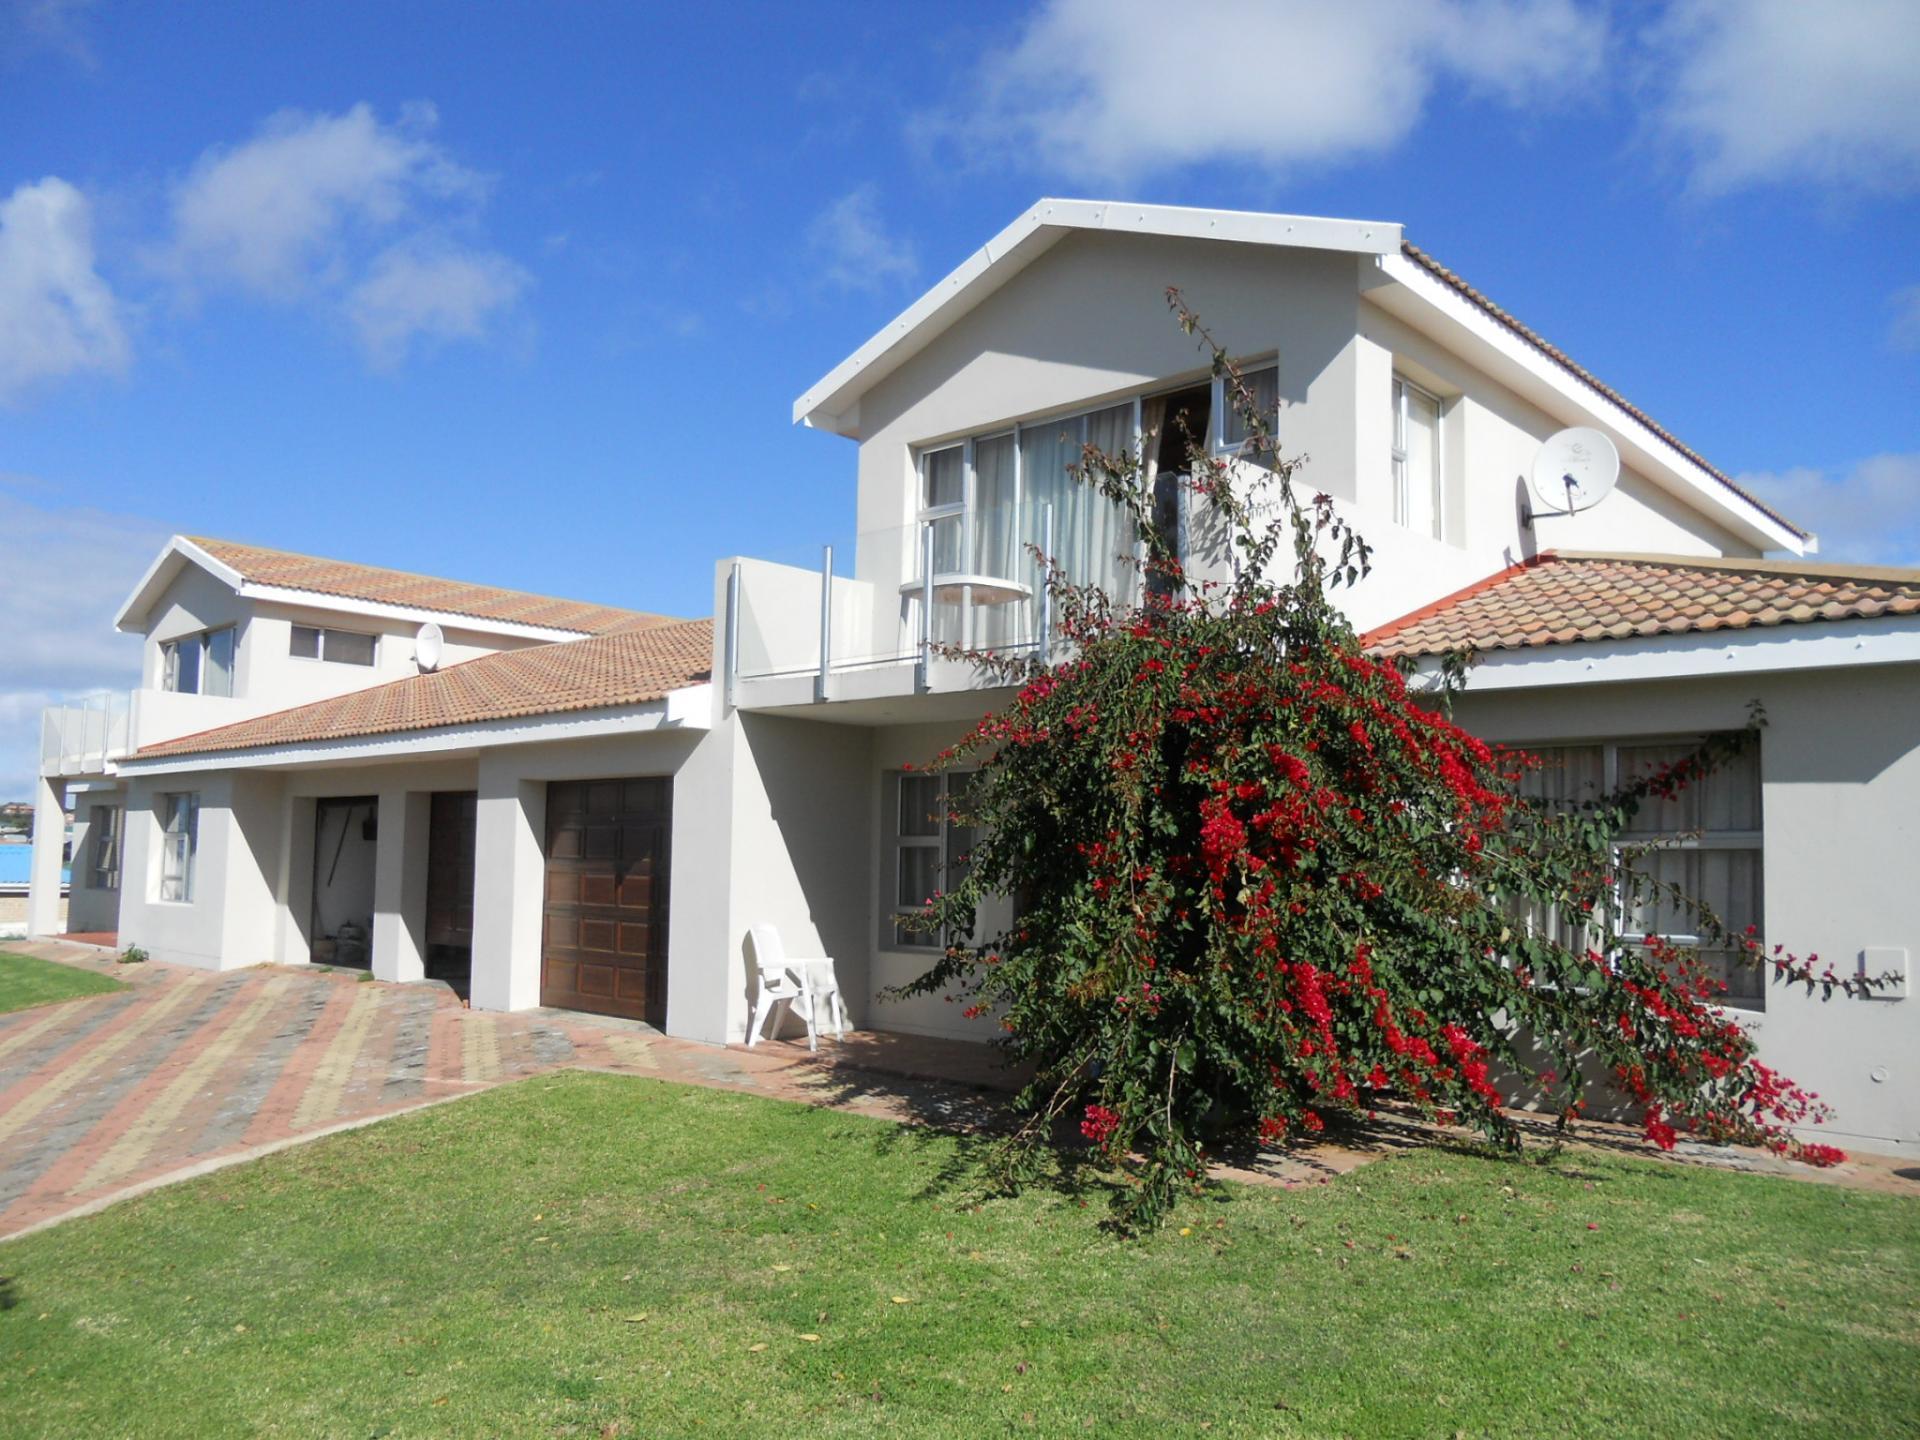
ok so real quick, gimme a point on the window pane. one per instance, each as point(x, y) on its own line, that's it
point(919, 805)
point(1265, 384)
point(1726, 799)
point(995, 551)
point(1111, 430)
point(1419, 420)
point(919, 874)
point(946, 476)
point(1568, 776)
point(1727, 882)
point(346, 648)
point(219, 658)
point(183, 666)
point(306, 643)
point(946, 544)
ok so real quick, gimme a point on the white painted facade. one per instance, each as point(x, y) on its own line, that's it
point(783, 806)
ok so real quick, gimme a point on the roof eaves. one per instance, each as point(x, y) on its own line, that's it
point(1566, 362)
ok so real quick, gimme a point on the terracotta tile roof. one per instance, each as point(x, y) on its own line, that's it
point(1586, 377)
point(628, 667)
point(423, 592)
point(1562, 597)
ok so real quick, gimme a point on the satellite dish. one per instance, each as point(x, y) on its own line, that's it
point(1574, 471)
point(429, 646)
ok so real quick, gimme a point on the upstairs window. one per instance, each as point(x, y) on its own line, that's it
point(343, 647)
point(179, 842)
point(199, 664)
point(1416, 458)
point(1264, 382)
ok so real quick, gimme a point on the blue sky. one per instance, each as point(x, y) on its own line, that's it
point(523, 293)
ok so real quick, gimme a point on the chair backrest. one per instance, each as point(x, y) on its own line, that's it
point(768, 952)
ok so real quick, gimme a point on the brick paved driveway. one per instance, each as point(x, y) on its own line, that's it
point(107, 1096)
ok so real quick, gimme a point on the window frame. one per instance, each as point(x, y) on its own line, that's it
point(1729, 841)
point(1217, 442)
point(1397, 447)
point(894, 842)
point(179, 846)
point(105, 834)
point(320, 657)
point(201, 642)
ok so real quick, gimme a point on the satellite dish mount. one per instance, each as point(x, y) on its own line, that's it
point(1575, 470)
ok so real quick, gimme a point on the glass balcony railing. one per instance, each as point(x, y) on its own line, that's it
point(80, 736)
point(912, 592)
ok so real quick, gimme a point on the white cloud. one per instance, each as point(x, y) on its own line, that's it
point(1904, 332)
point(349, 214)
point(1112, 89)
point(57, 315)
point(62, 26)
point(1760, 91)
point(424, 289)
point(854, 247)
point(1870, 514)
point(66, 573)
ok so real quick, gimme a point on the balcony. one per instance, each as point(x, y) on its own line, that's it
point(81, 736)
point(798, 636)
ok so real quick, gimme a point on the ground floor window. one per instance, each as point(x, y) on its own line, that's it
point(103, 825)
point(179, 840)
point(1706, 841)
point(924, 851)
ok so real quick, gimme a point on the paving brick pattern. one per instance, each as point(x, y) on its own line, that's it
point(108, 1096)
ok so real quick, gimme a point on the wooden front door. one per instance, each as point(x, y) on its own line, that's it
point(450, 851)
point(604, 935)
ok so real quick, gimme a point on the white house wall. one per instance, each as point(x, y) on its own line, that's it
point(1840, 774)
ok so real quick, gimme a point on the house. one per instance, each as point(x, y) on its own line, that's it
point(568, 805)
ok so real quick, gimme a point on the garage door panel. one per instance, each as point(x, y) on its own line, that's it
point(607, 877)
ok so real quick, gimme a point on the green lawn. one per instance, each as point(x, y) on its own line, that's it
point(596, 1255)
point(25, 981)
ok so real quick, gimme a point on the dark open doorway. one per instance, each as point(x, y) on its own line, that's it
point(451, 835)
point(345, 833)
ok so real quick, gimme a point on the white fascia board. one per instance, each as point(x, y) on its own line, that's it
point(1760, 649)
point(412, 744)
point(177, 551)
point(827, 404)
point(408, 614)
point(1438, 310)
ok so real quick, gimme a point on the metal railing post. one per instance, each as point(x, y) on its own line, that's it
point(1044, 645)
point(733, 632)
point(923, 675)
point(826, 623)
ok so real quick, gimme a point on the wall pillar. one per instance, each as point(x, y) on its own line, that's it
point(400, 885)
point(49, 835)
point(509, 888)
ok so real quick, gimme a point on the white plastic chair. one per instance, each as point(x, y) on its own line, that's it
point(802, 985)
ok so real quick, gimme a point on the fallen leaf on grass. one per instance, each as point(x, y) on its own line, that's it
point(902, 1300)
point(811, 1339)
point(637, 1319)
point(756, 1349)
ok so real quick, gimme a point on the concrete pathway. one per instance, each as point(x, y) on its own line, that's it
point(185, 1071)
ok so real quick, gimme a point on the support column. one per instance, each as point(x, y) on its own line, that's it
point(509, 887)
point(400, 885)
point(49, 835)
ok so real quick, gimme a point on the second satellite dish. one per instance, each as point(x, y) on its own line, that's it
point(1575, 470)
point(429, 646)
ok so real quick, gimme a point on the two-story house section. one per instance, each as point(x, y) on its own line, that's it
point(1609, 636)
point(199, 839)
point(574, 806)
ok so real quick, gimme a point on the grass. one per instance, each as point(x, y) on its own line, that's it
point(25, 982)
point(597, 1255)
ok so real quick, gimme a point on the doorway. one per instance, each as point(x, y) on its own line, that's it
point(345, 834)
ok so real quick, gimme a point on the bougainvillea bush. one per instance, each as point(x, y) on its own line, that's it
point(1258, 882)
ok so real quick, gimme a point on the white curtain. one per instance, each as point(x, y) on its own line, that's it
point(1090, 532)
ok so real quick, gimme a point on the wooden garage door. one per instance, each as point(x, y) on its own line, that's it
point(604, 944)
